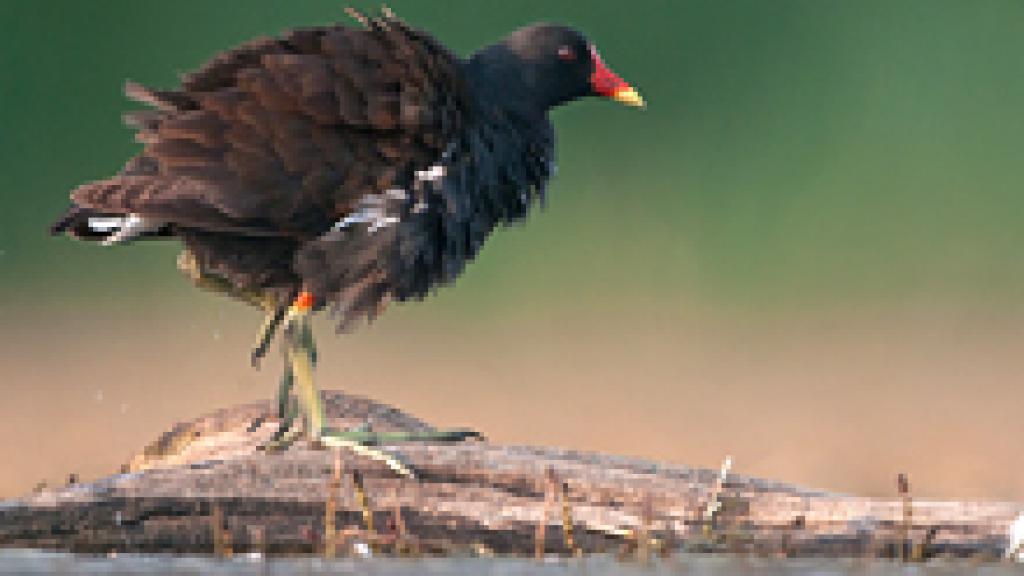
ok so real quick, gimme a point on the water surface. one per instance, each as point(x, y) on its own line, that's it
point(29, 562)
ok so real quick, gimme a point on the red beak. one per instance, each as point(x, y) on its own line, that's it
point(610, 85)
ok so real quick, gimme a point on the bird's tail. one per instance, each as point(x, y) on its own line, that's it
point(108, 228)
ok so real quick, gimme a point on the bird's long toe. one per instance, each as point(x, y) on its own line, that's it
point(283, 438)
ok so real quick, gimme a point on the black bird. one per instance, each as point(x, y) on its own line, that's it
point(341, 167)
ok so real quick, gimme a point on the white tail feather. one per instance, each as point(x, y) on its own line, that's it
point(125, 228)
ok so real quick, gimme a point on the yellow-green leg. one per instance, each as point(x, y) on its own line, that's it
point(287, 412)
point(270, 325)
point(300, 358)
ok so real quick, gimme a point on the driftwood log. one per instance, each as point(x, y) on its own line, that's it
point(203, 487)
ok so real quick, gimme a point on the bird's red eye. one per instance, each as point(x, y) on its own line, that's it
point(566, 53)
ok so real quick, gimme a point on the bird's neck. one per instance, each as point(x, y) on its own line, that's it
point(500, 79)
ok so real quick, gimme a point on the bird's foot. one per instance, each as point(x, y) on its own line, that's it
point(367, 437)
point(286, 435)
point(366, 443)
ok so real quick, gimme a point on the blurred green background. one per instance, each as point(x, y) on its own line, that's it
point(805, 170)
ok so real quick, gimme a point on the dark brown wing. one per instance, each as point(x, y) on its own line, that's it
point(284, 136)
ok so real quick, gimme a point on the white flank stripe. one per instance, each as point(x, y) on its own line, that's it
point(432, 174)
point(371, 210)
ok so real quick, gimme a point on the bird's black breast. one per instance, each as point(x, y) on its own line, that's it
point(410, 241)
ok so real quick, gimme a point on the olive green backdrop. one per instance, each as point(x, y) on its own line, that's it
point(807, 246)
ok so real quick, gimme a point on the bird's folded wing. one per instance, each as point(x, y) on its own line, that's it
point(286, 135)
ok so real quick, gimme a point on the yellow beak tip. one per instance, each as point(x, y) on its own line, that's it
point(630, 97)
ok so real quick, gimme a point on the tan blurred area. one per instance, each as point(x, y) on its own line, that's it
point(841, 401)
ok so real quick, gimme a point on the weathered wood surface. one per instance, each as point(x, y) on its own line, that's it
point(474, 496)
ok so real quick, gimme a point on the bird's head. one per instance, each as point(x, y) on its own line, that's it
point(554, 65)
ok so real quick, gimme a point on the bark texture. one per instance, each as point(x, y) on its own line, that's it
point(203, 483)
